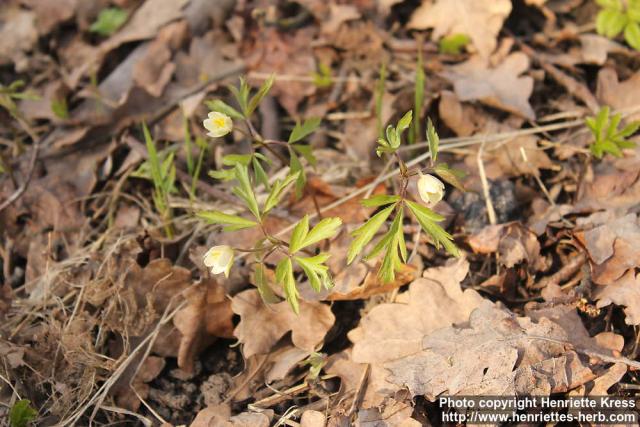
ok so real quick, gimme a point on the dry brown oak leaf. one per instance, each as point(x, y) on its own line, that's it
point(513, 242)
point(262, 325)
point(501, 86)
point(481, 20)
point(396, 330)
point(613, 247)
point(625, 292)
point(496, 353)
point(618, 94)
point(207, 315)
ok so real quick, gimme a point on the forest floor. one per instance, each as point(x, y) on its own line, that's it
point(108, 315)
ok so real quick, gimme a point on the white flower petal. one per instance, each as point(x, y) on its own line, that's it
point(430, 189)
point(219, 259)
point(218, 124)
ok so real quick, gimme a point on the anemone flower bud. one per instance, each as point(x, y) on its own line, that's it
point(219, 259)
point(430, 189)
point(218, 124)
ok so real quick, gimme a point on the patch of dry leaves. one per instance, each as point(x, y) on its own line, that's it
point(480, 19)
point(261, 326)
point(501, 86)
point(438, 339)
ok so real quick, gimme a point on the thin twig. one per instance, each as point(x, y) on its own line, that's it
point(362, 387)
point(491, 213)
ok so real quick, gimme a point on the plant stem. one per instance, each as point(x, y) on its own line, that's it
point(280, 157)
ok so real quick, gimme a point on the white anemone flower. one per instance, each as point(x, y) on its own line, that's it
point(219, 259)
point(218, 124)
point(430, 189)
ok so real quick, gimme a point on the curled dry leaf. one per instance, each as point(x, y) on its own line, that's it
point(207, 315)
point(560, 307)
point(261, 325)
point(40, 108)
point(146, 21)
point(625, 292)
point(501, 86)
point(338, 14)
point(611, 188)
point(283, 361)
point(18, 35)
point(617, 94)
point(124, 388)
point(602, 384)
point(481, 20)
point(595, 48)
point(285, 53)
point(514, 156)
point(513, 242)
point(50, 14)
point(392, 413)
point(352, 374)
point(545, 213)
point(311, 418)
point(220, 416)
point(613, 246)
point(206, 58)
point(350, 286)
point(155, 69)
point(463, 119)
point(265, 368)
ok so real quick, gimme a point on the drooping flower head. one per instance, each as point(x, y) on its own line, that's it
point(219, 259)
point(430, 189)
point(218, 124)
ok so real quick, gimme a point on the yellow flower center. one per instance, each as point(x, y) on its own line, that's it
point(219, 122)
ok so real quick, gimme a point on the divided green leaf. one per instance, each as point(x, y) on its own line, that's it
point(394, 135)
point(301, 237)
point(427, 220)
point(617, 16)
point(316, 271)
point(380, 200)
point(278, 191)
point(263, 286)
point(433, 140)
point(607, 137)
point(232, 222)
point(300, 131)
point(365, 233)
point(244, 190)
point(222, 107)
point(295, 166)
point(284, 277)
point(255, 99)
